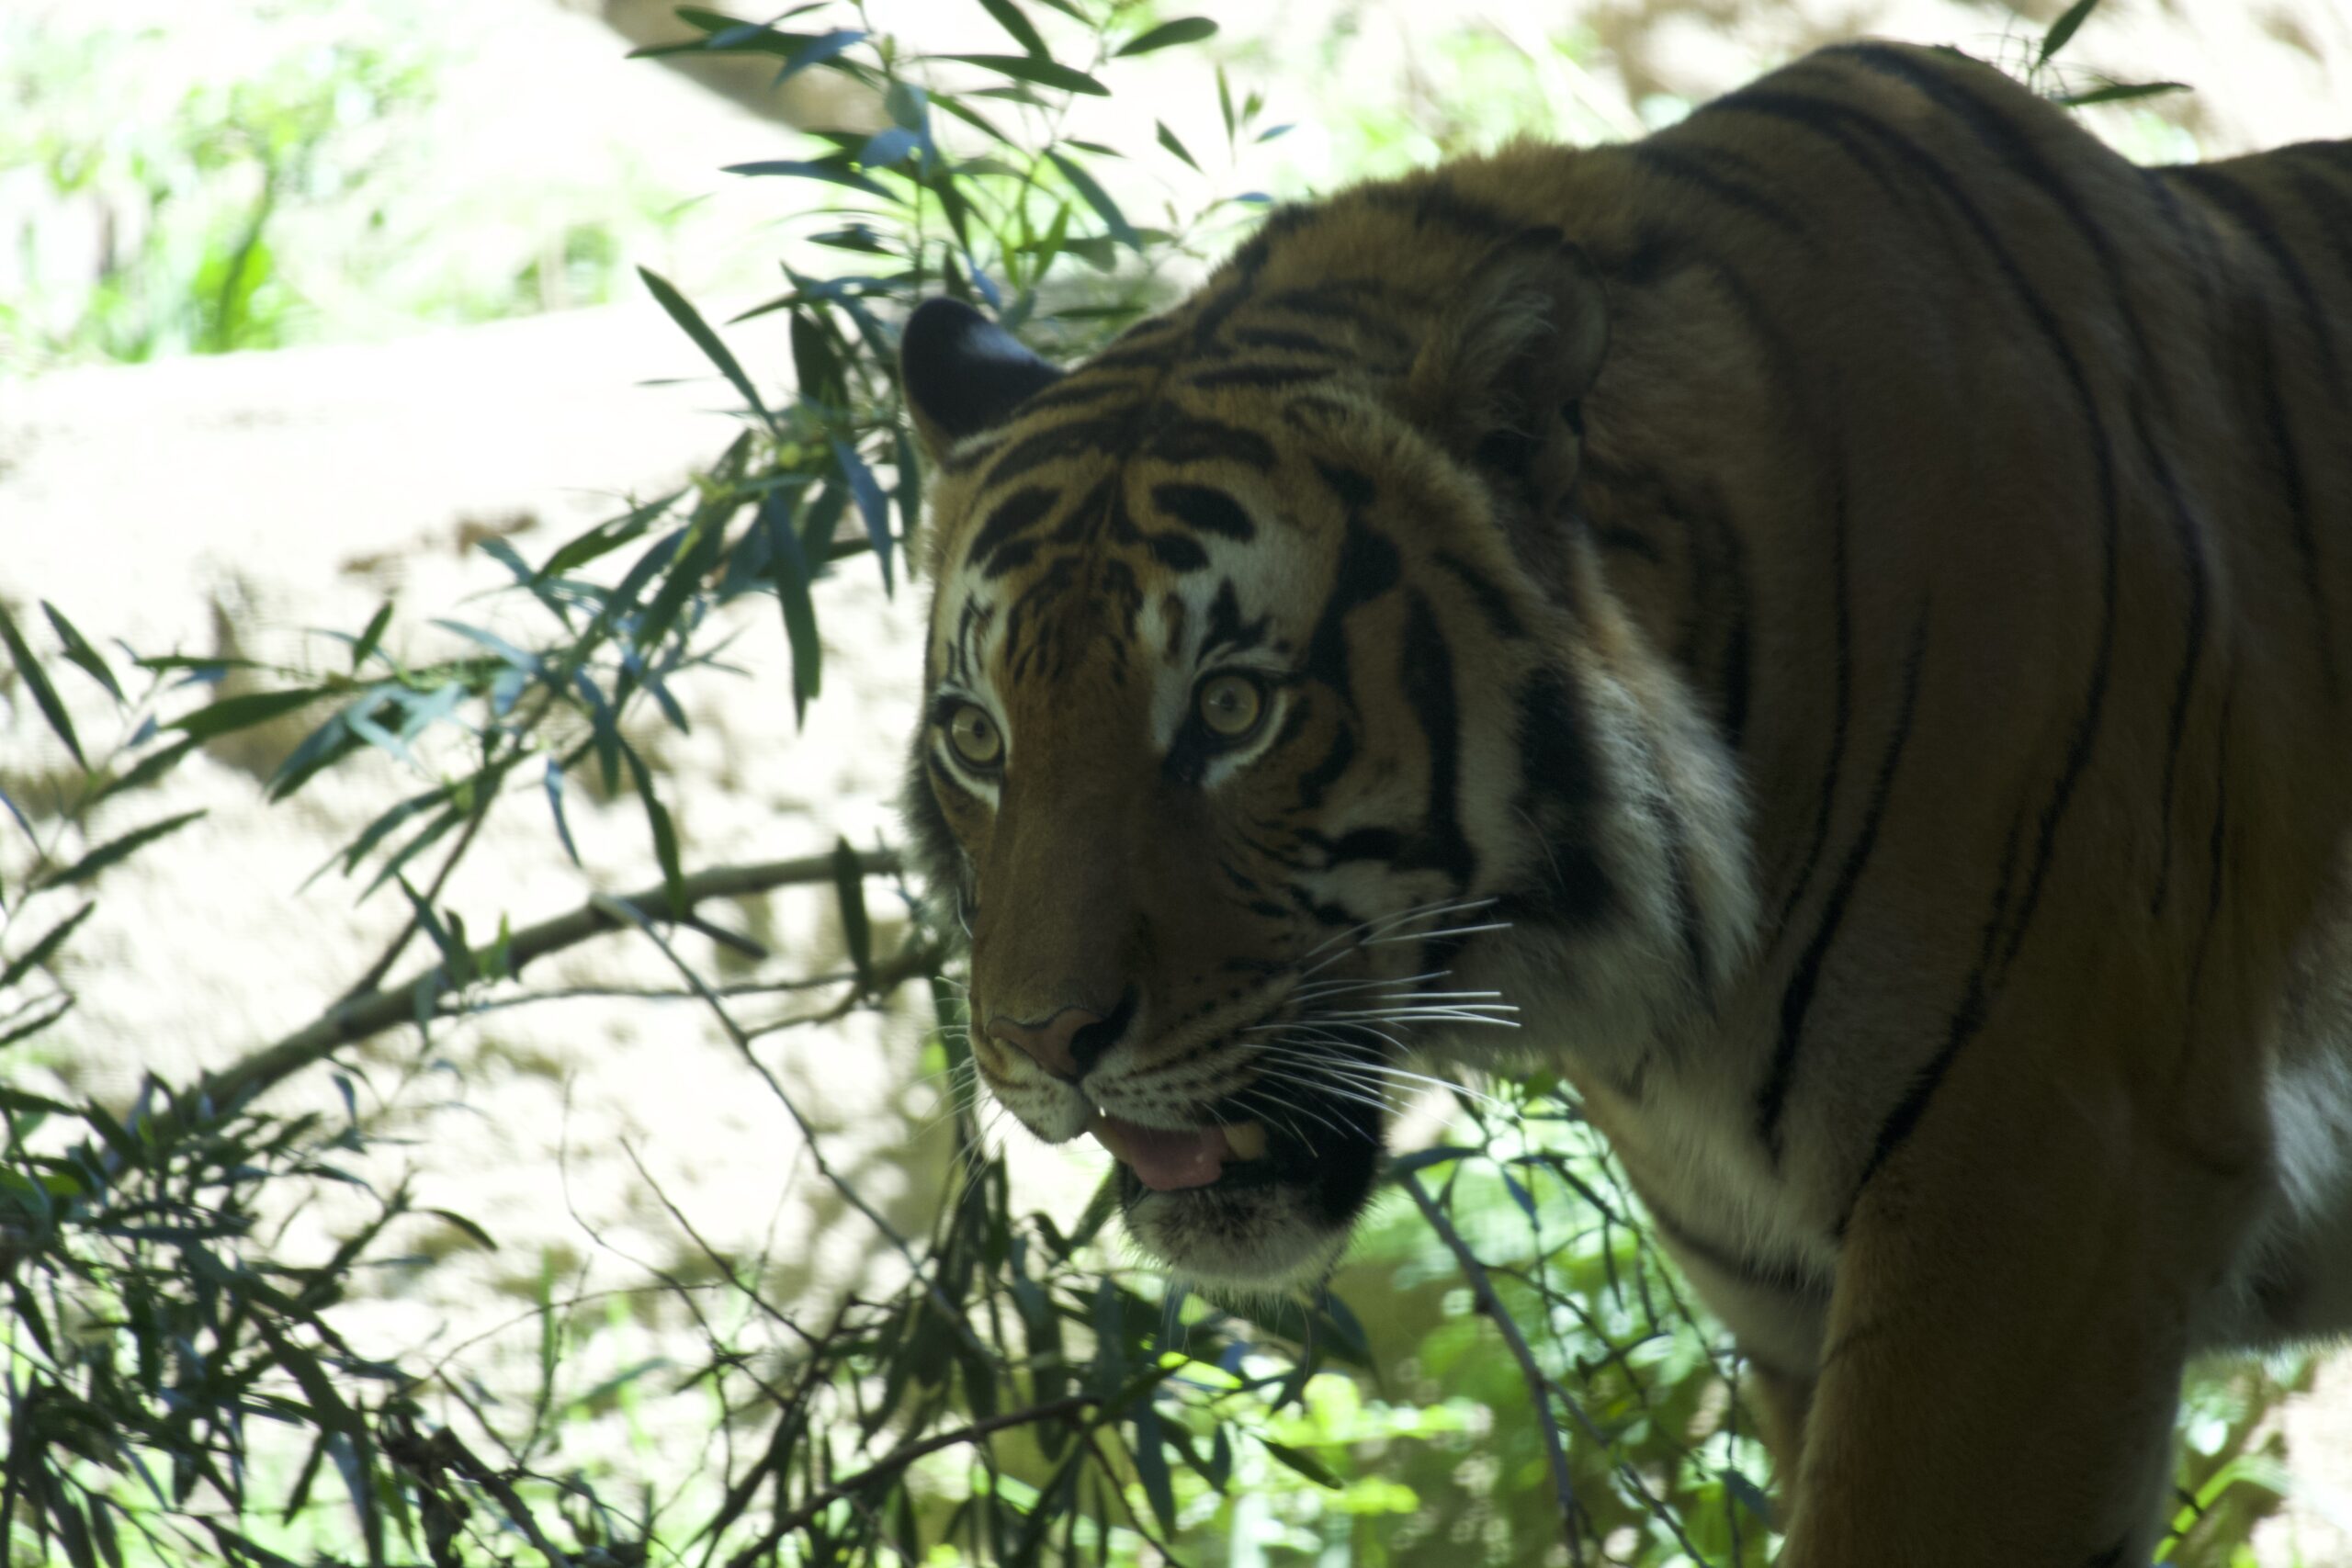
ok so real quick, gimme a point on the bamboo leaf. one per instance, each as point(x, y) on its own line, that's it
point(1304, 1463)
point(78, 649)
point(801, 168)
point(149, 768)
point(555, 804)
point(872, 505)
point(115, 851)
point(1095, 196)
point(857, 928)
point(666, 834)
point(2119, 92)
point(372, 637)
point(818, 51)
point(789, 566)
point(1184, 29)
point(2063, 28)
point(1010, 18)
point(1037, 73)
point(40, 951)
point(1168, 139)
point(232, 714)
point(690, 319)
point(1151, 1466)
point(37, 681)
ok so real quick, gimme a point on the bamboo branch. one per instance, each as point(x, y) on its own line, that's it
point(1539, 1387)
point(1053, 1409)
point(388, 1007)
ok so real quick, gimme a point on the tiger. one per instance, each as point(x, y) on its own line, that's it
point(1830, 611)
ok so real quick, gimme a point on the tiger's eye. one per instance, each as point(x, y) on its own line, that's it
point(975, 738)
point(1231, 705)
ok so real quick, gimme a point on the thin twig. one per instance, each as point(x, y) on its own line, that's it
point(1053, 1409)
point(1539, 1387)
point(393, 1005)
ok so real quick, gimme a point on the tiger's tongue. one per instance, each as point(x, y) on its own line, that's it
point(1162, 1160)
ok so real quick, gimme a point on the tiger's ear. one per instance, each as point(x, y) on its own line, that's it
point(962, 373)
point(1499, 378)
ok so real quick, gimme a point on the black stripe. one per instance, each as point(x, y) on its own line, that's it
point(1209, 440)
point(1177, 552)
point(1432, 202)
point(1258, 377)
point(1425, 672)
point(1842, 692)
point(2103, 458)
point(1782, 1277)
point(2191, 542)
point(1560, 797)
point(2247, 211)
point(1490, 599)
point(1685, 900)
point(2288, 466)
point(1356, 303)
point(1771, 1096)
point(1010, 517)
point(1359, 843)
point(1075, 439)
point(1627, 541)
point(2217, 842)
point(1226, 631)
point(1204, 509)
point(1281, 337)
point(1354, 491)
point(1082, 389)
point(2330, 205)
point(1722, 174)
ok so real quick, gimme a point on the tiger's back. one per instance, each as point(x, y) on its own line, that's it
point(1857, 581)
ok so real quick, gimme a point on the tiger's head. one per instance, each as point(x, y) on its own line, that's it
point(1267, 735)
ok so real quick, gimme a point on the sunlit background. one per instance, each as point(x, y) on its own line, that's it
point(303, 303)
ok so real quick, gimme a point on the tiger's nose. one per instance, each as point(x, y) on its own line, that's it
point(1051, 1044)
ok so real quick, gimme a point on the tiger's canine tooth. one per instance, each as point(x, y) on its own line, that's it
point(1246, 1140)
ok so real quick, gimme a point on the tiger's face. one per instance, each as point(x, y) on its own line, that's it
point(1246, 736)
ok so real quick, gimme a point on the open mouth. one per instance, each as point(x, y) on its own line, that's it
point(1170, 1159)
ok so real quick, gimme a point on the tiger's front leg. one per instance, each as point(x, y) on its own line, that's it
point(2010, 1319)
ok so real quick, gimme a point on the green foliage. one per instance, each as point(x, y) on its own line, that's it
point(1000, 1389)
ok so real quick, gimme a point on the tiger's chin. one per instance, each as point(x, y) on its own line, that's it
point(1273, 1225)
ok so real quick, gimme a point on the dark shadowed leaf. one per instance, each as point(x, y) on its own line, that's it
point(373, 635)
point(690, 319)
point(232, 714)
point(40, 951)
point(814, 364)
point(554, 784)
point(2118, 93)
point(1151, 1466)
point(665, 836)
point(818, 51)
point(789, 565)
point(1184, 29)
point(1299, 1459)
point(1095, 196)
point(115, 851)
point(37, 681)
point(1037, 73)
point(872, 505)
point(153, 766)
point(474, 1232)
point(801, 168)
point(857, 929)
point(78, 649)
point(1168, 139)
point(2068, 22)
point(1009, 16)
